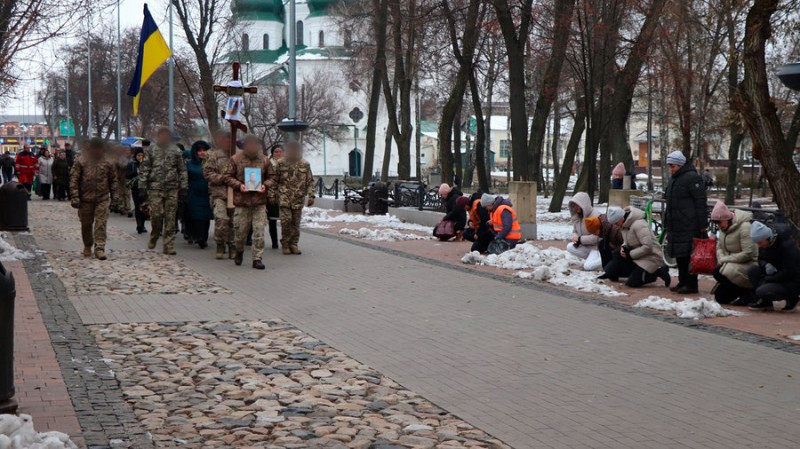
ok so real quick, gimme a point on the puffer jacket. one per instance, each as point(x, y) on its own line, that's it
point(736, 252)
point(686, 211)
point(45, 170)
point(784, 255)
point(235, 178)
point(215, 166)
point(578, 225)
point(163, 169)
point(93, 180)
point(639, 242)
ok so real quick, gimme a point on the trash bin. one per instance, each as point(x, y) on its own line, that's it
point(14, 213)
point(7, 295)
point(378, 198)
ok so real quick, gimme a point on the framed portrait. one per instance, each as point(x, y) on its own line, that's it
point(252, 179)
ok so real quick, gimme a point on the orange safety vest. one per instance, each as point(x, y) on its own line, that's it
point(497, 222)
point(474, 216)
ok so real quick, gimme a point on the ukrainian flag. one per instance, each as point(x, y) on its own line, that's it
point(153, 51)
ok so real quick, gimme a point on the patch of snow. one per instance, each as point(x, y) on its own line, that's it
point(314, 225)
point(9, 252)
point(551, 265)
point(554, 231)
point(794, 337)
point(694, 309)
point(317, 215)
point(381, 235)
point(18, 432)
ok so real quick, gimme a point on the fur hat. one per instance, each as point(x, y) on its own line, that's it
point(619, 171)
point(444, 190)
point(614, 214)
point(593, 225)
point(760, 232)
point(676, 158)
point(721, 212)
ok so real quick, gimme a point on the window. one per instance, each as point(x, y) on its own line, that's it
point(505, 148)
point(348, 38)
point(10, 130)
point(299, 32)
point(321, 39)
point(265, 42)
point(245, 42)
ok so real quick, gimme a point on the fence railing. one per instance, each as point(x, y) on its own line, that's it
point(401, 194)
point(323, 190)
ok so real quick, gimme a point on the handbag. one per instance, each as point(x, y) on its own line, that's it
point(704, 256)
point(445, 230)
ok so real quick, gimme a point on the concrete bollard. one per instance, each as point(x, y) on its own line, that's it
point(622, 198)
point(523, 197)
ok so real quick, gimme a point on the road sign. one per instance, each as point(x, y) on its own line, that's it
point(66, 128)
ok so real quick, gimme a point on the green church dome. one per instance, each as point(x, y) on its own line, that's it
point(268, 10)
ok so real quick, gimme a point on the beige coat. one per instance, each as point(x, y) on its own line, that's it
point(736, 252)
point(640, 242)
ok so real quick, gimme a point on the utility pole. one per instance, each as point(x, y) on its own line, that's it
point(119, 65)
point(292, 65)
point(171, 67)
point(649, 132)
point(89, 130)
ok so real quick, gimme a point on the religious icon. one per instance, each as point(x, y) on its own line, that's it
point(235, 104)
point(252, 178)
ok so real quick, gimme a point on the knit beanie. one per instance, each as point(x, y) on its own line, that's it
point(676, 158)
point(444, 190)
point(760, 232)
point(721, 212)
point(614, 214)
point(592, 225)
point(462, 202)
point(619, 171)
point(487, 200)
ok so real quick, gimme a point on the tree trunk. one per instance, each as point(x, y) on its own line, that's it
point(736, 138)
point(556, 137)
point(457, 148)
point(562, 182)
point(754, 104)
point(381, 8)
point(387, 148)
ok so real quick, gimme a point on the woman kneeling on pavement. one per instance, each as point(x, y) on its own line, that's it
point(640, 258)
point(505, 224)
point(777, 275)
point(584, 243)
point(736, 254)
point(608, 233)
point(478, 229)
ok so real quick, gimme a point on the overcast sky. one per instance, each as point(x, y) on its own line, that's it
point(44, 59)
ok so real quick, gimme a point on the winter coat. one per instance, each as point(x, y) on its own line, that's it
point(26, 165)
point(197, 203)
point(686, 212)
point(736, 252)
point(454, 213)
point(784, 255)
point(215, 166)
point(93, 180)
point(639, 242)
point(578, 224)
point(610, 234)
point(272, 194)
point(61, 172)
point(235, 178)
point(46, 170)
point(295, 182)
point(7, 163)
point(163, 169)
point(479, 218)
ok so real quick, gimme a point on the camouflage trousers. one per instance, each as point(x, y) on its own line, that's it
point(94, 217)
point(223, 228)
point(246, 219)
point(124, 197)
point(163, 210)
point(290, 226)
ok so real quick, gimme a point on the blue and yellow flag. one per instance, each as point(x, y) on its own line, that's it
point(153, 51)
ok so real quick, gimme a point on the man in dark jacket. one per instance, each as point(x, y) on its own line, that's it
point(61, 176)
point(479, 225)
point(685, 217)
point(777, 275)
point(7, 164)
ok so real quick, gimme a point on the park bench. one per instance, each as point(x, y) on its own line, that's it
point(357, 196)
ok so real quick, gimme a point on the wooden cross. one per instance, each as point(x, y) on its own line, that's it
point(236, 125)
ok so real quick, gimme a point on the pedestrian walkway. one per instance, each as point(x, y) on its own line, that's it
point(531, 367)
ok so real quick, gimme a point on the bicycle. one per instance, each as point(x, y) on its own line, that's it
point(657, 227)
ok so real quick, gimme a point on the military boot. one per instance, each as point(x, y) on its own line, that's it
point(239, 257)
point(295, 250)
point(286, 251)
point(170, 251)
point(220, 252)
point(231, 252)
point(152, 243)
point(87, 251)
point(100, 254)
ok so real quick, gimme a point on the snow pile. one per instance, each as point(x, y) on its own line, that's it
point(314, 225)
point(9, 252)
point(17, 432)
point(551, 265)
point(381, 235)
point(317, 215)
point(694, 309)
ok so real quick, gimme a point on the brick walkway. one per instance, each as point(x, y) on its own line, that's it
point(534, 367)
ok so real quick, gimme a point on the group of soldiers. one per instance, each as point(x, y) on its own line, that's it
point(241, 209)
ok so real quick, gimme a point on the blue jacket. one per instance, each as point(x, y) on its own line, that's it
point(197, 204)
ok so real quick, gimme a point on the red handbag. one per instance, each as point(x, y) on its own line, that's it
point(704, 256)
point(445, 230)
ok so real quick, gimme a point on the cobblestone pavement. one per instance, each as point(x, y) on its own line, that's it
point(531, 366)
point(219, 384)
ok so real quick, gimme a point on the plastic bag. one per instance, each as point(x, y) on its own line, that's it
point(704, 256)
point(445, 230)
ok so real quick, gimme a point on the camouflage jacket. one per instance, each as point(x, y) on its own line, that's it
point(235, 178)
point(163, 169)
point(93, 180)
point(215, 166)
point(294, 181)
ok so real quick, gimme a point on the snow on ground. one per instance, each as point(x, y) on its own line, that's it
point(317, 215)
point(382, 235)
point(688, 308)
point(9, 252)
point(551, 265)
point(18, 432)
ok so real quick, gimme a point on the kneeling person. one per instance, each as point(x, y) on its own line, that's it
point(92, 181)
point(777, 275)
point(250, 213)
point(503, 219)
point(640, 258)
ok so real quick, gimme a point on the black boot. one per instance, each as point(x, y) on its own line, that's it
point(273, 233)
point(762, 305)
point(239, 257)
point(790, 304)
point(258, 265)
point(663, 273)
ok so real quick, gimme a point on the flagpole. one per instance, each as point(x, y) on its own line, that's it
point(171, 75)
point(89, 131)
point(292, 65)
point(119, 84)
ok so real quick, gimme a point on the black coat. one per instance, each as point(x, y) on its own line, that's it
point(453, 212)
point(686, 211)
point(784, 255)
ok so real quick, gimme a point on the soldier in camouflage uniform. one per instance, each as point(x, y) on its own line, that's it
point(163, 174)
point(295, 182)
point(120, 157)
point(251, 211)
point(92, 180)
point(215, 166)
